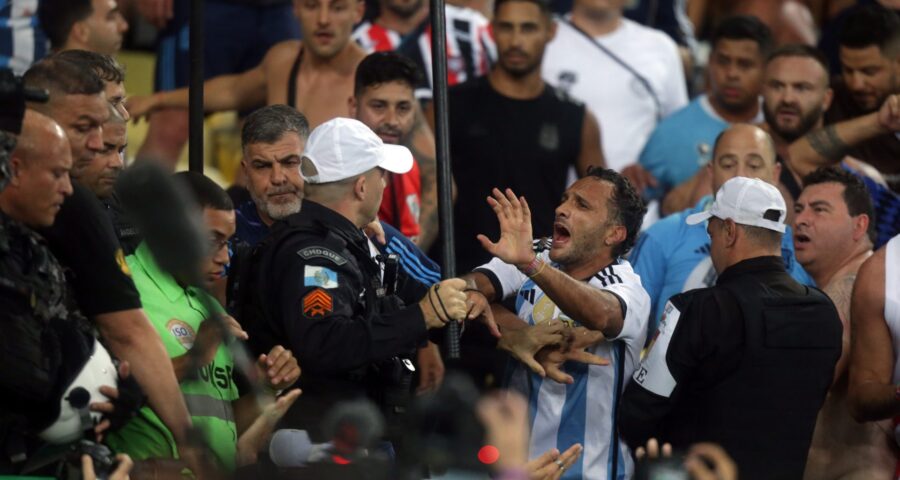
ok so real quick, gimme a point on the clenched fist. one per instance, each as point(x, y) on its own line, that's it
point(444, 302)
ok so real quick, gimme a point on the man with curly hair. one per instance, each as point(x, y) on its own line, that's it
point(578, 292)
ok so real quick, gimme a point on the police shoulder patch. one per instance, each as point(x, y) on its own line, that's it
point(324, 277)
point(321, 252)
point(317, 304)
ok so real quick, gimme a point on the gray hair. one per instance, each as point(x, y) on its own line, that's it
point(269, 124)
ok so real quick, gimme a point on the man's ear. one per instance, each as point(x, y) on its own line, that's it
point(80, 32)
point(351, 106)
point(360, 187)
point(15, 170)
point(860, 226)
point(730, 231)
point(615, 235)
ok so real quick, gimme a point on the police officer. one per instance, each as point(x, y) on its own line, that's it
point(317, 287)
point(46, 349)
point(746, 363)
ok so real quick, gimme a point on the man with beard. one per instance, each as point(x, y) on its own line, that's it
point(681, 144)
point(870, 65)
point(512, 129)
point(832, 239)
point(315, 76)
point(583, 281)
point(273, 138)
point(383, 99)
point(795, 97)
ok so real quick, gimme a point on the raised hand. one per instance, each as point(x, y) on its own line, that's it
point(515, 244)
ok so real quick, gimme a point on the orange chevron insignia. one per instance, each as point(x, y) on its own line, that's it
point(317, 303)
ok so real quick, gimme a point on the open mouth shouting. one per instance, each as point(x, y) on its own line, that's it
point(561, 235)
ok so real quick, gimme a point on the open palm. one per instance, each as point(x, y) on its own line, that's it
point(514, 245)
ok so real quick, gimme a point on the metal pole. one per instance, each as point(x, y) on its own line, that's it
point(442, 148)
point(195, 92)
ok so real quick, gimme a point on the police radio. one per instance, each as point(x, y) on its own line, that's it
point(390, 266)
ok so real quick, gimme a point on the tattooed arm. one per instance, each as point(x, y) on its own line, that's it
point(421, 144)
point(839, 291)
point(828, 145)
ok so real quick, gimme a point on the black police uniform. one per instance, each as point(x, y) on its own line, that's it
point(745, 364)
point(44, 343)
point(313, 287)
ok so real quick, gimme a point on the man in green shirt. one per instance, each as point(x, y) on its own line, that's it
point(178, 312)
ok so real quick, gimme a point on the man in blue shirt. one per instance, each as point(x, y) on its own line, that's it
point(672, 257)
point(681, 144)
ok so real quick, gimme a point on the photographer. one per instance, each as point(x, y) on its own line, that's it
point(84, 241)
point(48, 358)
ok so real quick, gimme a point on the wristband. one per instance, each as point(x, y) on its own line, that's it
point(534, 268)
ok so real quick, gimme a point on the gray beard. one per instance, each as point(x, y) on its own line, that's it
point(276, 212)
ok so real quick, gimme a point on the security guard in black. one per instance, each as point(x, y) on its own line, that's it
point(745, 364)
point(315, 286)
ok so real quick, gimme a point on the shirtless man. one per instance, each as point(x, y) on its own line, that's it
point(315, 76)
point(875, 353)
point(832, 239)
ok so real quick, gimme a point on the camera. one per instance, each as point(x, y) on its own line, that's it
point(105, 462)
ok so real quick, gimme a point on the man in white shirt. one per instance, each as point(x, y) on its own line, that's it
point(629, 75)
point(583, 282)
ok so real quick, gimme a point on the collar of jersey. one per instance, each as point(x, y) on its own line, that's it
point(164, 281)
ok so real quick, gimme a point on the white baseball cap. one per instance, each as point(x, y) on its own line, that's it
point(747, 201)
point(343, 147)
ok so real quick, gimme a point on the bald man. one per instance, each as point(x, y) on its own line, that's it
point(672, 257)
point(39, 173)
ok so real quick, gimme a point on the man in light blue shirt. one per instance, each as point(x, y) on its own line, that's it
point(672, 257)
point(682, 143)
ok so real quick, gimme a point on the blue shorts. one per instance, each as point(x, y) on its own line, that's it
point(236, 39)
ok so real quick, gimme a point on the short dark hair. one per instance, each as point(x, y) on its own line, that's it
point(744, 27)
point(800, 50)
point(62, 75)
point(870, 25)
point(106, 67)
point(57, 17)
point(383, 67)
point(856, 194)
point(543, 6)
point(626, 206)
point(204, 191)
point(269, 124)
